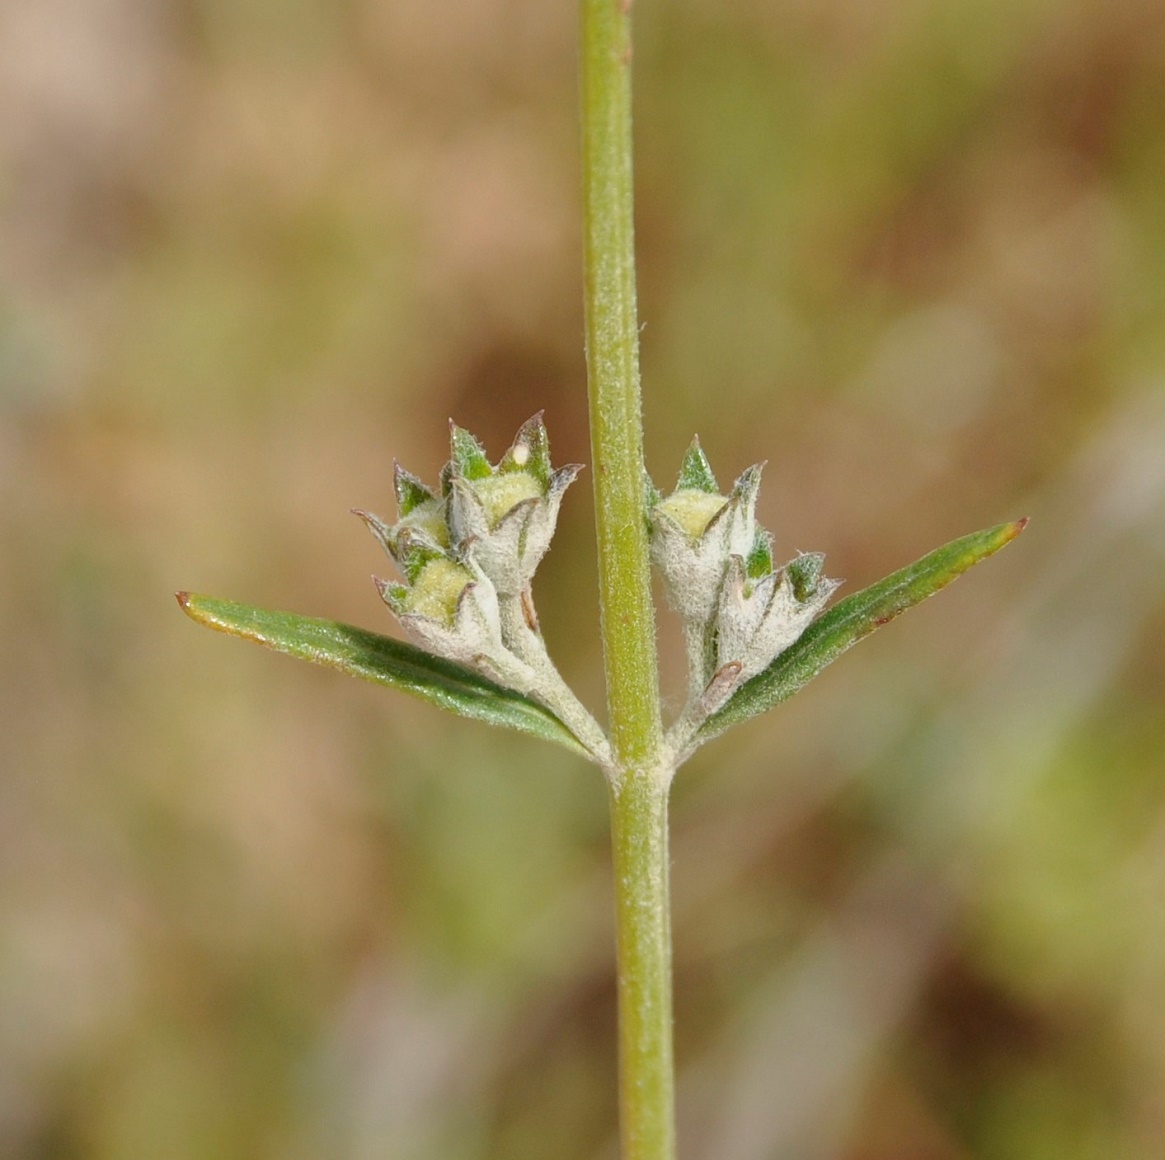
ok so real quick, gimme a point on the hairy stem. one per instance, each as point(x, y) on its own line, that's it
point(639, 775)
point(612, 330)
point(646, 1084)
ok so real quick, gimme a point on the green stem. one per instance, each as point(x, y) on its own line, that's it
point(646, 1084)
point(639, 774)
point(628, 620)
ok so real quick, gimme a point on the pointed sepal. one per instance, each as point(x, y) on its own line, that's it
point(382, 531)
point(467, 456)
point(393, 594)
point(804, 573)
point(503, 516)
point(530, 451)
point(696, 471)
point(410, 491)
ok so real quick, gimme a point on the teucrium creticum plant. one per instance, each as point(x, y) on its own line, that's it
point(466, 551)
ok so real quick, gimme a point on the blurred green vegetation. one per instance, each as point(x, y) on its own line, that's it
point(912, 252)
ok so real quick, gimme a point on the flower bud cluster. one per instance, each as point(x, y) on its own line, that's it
point(472, 543)
point(739, 613)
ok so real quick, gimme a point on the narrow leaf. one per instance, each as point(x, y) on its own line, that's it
point(696, 472)
point(853, 618)
point(382, 660)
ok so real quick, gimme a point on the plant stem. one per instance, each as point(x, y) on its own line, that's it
point(628, 621)
point(639, 775)
point(643, 925)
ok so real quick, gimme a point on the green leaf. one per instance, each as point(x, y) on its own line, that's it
point(853, 618)
point(382, 660)
point(696, 472)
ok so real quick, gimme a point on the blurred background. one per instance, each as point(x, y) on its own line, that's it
point(912, 252)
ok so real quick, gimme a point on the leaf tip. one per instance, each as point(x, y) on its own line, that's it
point(1005, 533)
point(194, 607)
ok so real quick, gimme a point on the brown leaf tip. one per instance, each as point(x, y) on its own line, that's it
point(183, 599)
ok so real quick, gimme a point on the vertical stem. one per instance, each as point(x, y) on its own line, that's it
point(639, 776)
point(643, 925)
point(628, 621)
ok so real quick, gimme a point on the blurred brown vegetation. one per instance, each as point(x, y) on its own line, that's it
point(910, 251)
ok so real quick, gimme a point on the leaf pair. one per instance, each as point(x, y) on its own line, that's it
point(461, 690)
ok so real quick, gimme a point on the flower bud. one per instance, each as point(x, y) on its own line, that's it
point(450, 608)
point(696, 531)
point(762, 612)
point(505, 516)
